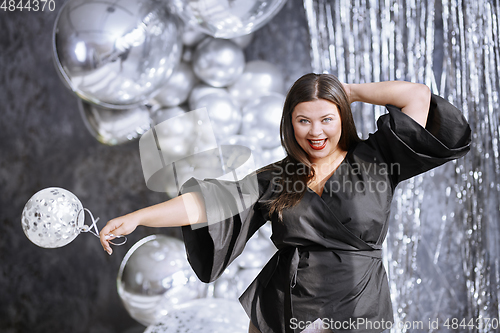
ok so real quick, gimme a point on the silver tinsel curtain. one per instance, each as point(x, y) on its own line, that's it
point(442, 251)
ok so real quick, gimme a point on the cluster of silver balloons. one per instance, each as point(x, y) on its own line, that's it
point(134, 63)
point(138, 64)
point(159, 289)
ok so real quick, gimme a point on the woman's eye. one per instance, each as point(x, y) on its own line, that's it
point(304, 121)
point(327, 120)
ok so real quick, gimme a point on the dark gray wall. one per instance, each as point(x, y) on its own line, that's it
point(44, 143)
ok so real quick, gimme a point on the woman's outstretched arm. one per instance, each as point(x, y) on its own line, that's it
point(185, 209)
point(412, 98)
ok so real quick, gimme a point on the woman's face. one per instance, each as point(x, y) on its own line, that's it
point(317, 127)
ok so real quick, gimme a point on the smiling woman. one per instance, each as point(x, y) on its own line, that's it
point(318, 128)
point(328, 200)
point(316, 125)
point(317, 107)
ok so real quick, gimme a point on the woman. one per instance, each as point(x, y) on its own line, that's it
point(328, 201)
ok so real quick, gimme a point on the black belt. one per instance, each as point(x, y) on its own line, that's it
point(291, 255)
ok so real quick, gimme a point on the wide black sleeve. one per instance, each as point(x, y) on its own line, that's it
point(411, 149)
point(235, 211)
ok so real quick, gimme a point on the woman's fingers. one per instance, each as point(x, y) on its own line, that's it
point(105, 236)
point(119, 226)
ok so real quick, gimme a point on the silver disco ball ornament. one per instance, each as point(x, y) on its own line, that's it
point(116, 53)
point(155, 277)
point(214, 315)
point(52, 217)
point(228, 18)
point(262, 118)
point(218, 62)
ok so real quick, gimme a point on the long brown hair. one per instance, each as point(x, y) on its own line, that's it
point(298, 168)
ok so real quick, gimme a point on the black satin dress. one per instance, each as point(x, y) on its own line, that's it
point(328, 264)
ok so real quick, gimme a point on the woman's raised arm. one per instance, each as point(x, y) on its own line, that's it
point(185, 209)
point(412, 98)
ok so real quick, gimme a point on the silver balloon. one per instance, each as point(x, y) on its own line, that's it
point(176, 133)
point(52, 217)
point(262, 118)
point(228, 19)
point(214, 315)
point(250, 142)
point(192, 36)
point(243, 41)
point(225, 162)
point(243, 270)
point(266, 230)
point(155, 277)
point(218, 62)
point(112, 126)
point(164, 113)
point(258, 250)
point(225, 287)
point(116, 54)
point(245, 277)
point(243, 140)
point(233, 286)
point(156, 145)
point(173, 131)
point(259, 78)
point(202, 89)
point(178, 86)
point(269, 156)
point(224, 113)
point(187, 54)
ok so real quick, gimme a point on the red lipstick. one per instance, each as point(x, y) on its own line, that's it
point(316, 147)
